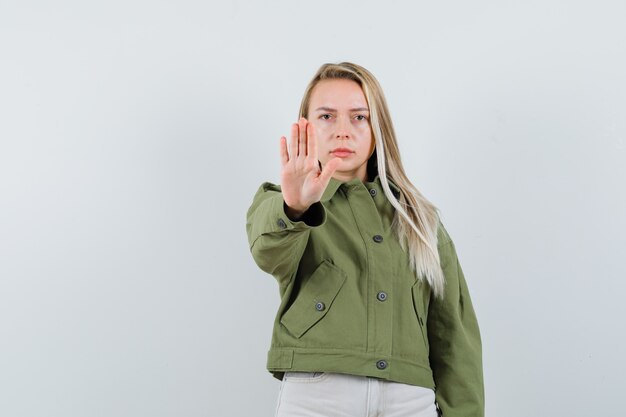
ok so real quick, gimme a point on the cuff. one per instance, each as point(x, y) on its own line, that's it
point(315, 216)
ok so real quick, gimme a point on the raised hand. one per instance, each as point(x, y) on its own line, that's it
point(302, 181)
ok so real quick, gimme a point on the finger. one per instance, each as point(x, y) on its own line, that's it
point(284, 156)
point(311, 144)
point(293, 144)
point(329, 169)
point(302, 123)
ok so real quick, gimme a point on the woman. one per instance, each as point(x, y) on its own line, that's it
point(375, 315)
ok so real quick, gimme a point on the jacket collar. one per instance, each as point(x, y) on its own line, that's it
point(335, 184)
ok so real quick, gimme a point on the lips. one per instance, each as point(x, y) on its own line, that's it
point(342, 152)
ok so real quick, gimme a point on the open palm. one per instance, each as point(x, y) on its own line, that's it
point(302, 181)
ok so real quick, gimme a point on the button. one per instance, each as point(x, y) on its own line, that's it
point(381, 364)
point(373, 192)
point(378, 238)
point(382, 296)
point(320, 306)
point(282, 224)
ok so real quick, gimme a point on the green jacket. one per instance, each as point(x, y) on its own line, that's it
point(351, 304)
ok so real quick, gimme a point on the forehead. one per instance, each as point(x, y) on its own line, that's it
point(337, 93)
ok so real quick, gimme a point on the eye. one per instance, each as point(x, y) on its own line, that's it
point(360, 117)
point(325, 116)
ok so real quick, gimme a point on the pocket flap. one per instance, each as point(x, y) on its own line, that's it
point(314, 299)
point(418, 306)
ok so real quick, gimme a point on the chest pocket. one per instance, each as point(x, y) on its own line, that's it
point(418, 305)
point(314, 299)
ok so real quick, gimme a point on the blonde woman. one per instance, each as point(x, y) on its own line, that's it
point(375, 317)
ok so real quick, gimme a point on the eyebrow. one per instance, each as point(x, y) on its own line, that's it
point(329, 109)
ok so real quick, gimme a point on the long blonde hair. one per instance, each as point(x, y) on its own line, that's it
point(416, 219)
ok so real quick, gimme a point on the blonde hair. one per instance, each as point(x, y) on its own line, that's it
point(416, 219)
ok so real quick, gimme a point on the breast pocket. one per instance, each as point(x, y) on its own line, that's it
point(314, 300)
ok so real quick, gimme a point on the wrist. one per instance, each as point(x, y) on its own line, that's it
point(294, 213)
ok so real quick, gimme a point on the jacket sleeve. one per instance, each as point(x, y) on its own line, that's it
point(455, 343)
point(276, 242)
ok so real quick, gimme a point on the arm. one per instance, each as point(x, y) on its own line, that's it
point(280, 218)
point(455, 344)
point(276, 241)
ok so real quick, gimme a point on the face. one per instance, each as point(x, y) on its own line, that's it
point(340, 114)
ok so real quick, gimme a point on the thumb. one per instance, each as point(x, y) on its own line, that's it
point(329, 169)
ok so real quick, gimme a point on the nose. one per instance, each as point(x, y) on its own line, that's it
point(343, 128)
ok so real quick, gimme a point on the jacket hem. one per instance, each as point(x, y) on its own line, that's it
point(281, 360)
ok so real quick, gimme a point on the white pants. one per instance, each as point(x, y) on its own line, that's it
point(322, 394)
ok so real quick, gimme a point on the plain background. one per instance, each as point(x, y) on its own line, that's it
point(133, 135)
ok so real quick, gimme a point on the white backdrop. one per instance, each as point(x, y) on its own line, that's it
point(133, 135)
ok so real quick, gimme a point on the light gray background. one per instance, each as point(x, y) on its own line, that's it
point(133, 135)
